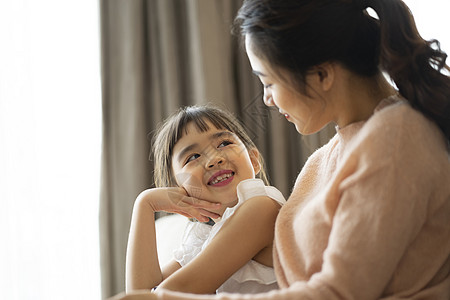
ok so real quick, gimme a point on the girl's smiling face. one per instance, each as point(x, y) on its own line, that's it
point(210, 164)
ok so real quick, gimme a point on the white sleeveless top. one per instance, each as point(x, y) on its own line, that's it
point(253, 277)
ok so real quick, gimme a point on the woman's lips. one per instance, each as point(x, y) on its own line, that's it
point(286, 115)
point(221, 178)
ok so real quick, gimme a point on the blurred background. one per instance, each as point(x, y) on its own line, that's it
point(83, 84)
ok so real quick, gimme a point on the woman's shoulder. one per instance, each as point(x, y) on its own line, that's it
point(397, 123)
point(401, 135)
point(396, 114)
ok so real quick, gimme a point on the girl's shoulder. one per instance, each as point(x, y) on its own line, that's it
point(253, 196)
point(250, 188)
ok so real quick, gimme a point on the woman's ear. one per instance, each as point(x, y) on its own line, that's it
point(254, 157)
point(326, 73)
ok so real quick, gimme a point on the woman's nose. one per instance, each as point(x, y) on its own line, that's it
point(268, 100)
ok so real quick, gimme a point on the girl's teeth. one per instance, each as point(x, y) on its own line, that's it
point(220, 178)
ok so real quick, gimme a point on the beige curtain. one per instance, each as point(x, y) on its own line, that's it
point(158, 55)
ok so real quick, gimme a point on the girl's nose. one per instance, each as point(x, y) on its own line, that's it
point(215, 161)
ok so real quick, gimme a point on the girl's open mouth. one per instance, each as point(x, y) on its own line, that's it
point(221, 178)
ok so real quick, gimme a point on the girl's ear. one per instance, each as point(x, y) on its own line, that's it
point(254, 157)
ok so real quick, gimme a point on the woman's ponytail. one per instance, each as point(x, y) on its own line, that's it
point(416, 66)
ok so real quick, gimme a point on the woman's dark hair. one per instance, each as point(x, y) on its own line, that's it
point(297, 35)
point(175, 127)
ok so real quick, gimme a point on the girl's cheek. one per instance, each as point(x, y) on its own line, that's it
point(195, 191)
point(190, 183)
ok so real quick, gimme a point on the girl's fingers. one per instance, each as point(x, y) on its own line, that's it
point(193, 214)
point(199, 217)
point(183, 214)
point(200, 212)
point(201, 203)
point(209, 214)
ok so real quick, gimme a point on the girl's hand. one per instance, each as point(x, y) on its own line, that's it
point(176, 200)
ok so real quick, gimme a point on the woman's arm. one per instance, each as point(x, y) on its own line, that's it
point(244, 235)
point(142, 266)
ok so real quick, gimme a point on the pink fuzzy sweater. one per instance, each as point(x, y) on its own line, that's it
point(369, 216)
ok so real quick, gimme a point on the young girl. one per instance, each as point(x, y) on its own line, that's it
point(204, 153)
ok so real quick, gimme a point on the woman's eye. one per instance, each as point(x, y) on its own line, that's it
point(266, 86)
point(192, 157)
point(225, 143)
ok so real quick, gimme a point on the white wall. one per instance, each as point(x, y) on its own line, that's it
point(50, 137)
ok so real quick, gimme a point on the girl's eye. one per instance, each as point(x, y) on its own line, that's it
point(224, 143)
point(192, 157)
point(266, 86)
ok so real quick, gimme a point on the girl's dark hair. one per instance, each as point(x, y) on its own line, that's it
point(297, 35)
point(176, 126)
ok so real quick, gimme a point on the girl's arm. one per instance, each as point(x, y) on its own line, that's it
point(142, 265)
point(242, 237)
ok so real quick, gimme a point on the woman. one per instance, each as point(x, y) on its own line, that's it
point(368, 217)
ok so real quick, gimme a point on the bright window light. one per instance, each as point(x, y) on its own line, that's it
point(432, 20)
point(50, 141)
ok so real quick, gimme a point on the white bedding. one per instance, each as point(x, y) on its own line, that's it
point(169, 232)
